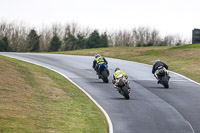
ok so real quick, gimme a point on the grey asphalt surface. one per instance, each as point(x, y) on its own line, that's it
point(150, 109)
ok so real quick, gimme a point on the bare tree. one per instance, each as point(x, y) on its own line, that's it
point(16, 34)
point(45, 38)
point(141, 36)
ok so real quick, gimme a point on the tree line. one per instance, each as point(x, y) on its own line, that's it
point(21, 38)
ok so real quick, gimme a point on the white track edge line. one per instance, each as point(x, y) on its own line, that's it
point(105, 113)
point(110, 126)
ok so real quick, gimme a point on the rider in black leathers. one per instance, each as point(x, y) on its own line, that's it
point(156, 65)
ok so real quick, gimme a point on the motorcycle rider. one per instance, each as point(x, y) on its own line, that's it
point(98, 61)
point(156, 65)
point(117, 73)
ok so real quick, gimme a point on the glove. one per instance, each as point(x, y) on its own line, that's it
point(113, 81)
point(127, 82)
point(126, 77)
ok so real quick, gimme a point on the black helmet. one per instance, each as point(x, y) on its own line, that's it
point(97, 55)
point(157, 60)
point(117, 69)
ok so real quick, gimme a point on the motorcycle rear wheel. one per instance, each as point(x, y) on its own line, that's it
point(125, 91)
point(105, 76)
point(165, 82)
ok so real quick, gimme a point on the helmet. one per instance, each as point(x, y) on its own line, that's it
point(117, 69)
point(97, 55)
point(157, 60)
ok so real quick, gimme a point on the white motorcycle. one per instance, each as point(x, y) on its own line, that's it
point(123, 85)
point(162, 75)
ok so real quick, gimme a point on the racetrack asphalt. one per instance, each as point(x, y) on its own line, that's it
point(150, 109)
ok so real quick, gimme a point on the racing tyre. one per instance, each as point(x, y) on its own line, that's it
point(165, 82)
point(105, 76)
point(125, 91)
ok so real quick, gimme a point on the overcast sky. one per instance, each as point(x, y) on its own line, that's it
point(167, 16)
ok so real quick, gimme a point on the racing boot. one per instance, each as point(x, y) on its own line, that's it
point(129, 89)
point(116, 87)
point(168, 76)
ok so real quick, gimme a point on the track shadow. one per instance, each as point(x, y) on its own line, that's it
point(159, 87)
point(98, 82)
point(121, 98)
point(149, 84)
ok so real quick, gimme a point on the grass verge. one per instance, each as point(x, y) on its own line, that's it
point(35, 99)
point(181, 59)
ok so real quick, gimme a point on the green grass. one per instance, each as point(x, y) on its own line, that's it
point(35, 99)
point(181, 59)
point(187, 46)
point(152, 53)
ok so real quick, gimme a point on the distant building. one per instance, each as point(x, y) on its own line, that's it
point(196, 36)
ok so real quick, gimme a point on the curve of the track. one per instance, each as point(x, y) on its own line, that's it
point(151, 108)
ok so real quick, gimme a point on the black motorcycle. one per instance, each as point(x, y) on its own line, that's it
point(123, 86)
point(103, 72)
point(162, 76)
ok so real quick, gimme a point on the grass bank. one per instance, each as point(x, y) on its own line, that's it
point(35, 99)
point(181, 59)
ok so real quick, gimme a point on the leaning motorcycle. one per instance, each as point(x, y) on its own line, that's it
point(103, 72)
point(122, 85)
point(162, 75)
